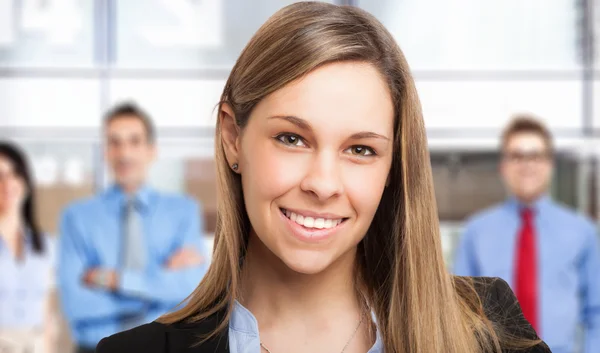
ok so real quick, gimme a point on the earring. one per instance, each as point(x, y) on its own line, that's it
point(235, 166)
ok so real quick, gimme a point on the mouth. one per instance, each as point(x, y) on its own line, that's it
point(311, 228)
point(309, 222)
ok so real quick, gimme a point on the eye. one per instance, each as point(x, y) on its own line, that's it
point(290, 139)
point(362, 151)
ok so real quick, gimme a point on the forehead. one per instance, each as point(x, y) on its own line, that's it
point(339, 96)
point(525, 142)
point(6, 164)
point(126, 124)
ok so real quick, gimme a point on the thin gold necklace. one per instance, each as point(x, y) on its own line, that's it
point(345, 346)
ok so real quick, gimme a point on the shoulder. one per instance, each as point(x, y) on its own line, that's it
point(146, 338)
point(500, 303)
point(483, 219)
point(50, 246)
point(580, 229)
point(502, 308)
point(176, 201)
point(83, 206)
point(496, 296)
point(575, 218)
point(181, 337)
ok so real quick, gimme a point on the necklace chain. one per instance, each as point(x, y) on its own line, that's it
point(345, 346)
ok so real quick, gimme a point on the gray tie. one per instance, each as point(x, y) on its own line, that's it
point(134, 254)
point(134, 245)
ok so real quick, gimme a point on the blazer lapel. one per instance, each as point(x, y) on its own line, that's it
point(184, 338)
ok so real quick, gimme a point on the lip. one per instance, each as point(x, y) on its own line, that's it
point(314, 214)
point(312, 235)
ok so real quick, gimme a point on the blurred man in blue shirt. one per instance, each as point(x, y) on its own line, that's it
point(131, 253)
point(546, 252)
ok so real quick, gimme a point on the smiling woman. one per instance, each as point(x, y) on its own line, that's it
point(316, 157)
point(327, 237)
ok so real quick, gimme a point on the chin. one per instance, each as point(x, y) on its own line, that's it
point(530, 195)
point(127, 181)
point(307, 262)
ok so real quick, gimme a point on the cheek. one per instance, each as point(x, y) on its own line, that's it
point(112, 155)
point(546, 174)
point(4, 187)
point(364, 185)
point(513, 172)
point(146, 158)
point(269, 172)
point(14, 189)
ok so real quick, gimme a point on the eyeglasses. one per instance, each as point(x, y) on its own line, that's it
point(534, 156)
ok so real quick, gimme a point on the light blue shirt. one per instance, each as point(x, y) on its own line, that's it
point(25, 285)
point(244, 337)
point(91, 235)
point(568, 266)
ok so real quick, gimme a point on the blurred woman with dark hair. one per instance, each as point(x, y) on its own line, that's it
point(26, 259)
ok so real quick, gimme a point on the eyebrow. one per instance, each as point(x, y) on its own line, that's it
point(305, 125)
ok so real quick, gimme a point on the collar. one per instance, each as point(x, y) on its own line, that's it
point(537, 206)
point(118, 198)
point(25, 237)
point(242, 320)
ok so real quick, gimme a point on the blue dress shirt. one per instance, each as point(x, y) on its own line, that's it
point(91, 236)
point(568, 266)
point(25, 285)
point(244, 337)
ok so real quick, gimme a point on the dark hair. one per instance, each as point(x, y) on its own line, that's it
point(527, 123)
point(131, 109)
point(21, 167)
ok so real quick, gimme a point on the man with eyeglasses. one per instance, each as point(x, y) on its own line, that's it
point(547, 253)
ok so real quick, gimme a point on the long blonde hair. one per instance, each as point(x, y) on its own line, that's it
point(419, 307)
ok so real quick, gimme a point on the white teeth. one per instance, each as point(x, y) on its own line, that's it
point(319, 223)
point(310, 222)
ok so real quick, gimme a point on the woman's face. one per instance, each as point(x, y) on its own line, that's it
point(12, 187)
point(314, 160)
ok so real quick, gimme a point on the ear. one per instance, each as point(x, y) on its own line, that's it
point(502, 167)
point(230, 135)
point(153, 151)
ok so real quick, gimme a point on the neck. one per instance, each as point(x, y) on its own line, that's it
point(10, 224)
point(130, 189)
point(530, 200)
point(275, 294)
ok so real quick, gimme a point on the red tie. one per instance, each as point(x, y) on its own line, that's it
point(526, 278)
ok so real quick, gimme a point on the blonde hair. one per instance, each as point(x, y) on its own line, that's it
point(419, 307)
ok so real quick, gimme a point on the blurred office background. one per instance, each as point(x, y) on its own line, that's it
point(64, 62)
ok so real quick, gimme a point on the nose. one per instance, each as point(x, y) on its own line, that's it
point(323, 178)
point(126, 151)
point(528, 166)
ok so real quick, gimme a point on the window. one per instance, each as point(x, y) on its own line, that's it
point(187, 34)
point(482, 35)
point(49, 34)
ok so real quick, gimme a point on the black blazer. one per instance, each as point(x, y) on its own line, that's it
point(500, 305)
